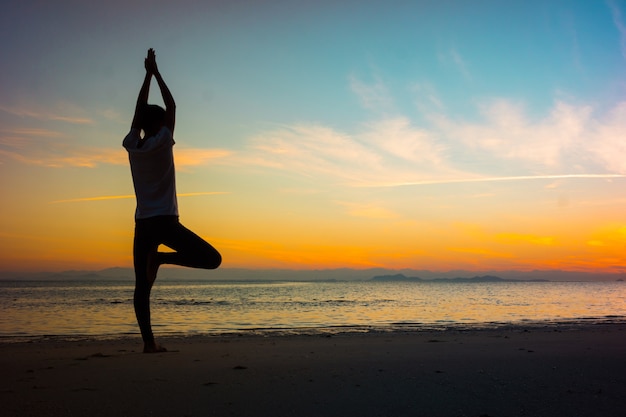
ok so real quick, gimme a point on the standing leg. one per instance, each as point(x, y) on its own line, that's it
point(146, 263)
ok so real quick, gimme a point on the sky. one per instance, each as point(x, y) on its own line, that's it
point(437, 135)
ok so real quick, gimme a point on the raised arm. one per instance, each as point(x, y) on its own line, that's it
point(168, 99)
point(142, 100)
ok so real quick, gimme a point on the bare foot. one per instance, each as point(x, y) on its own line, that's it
point(153, 347)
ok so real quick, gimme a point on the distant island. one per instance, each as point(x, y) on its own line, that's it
point(484, 278)
point(319, 275)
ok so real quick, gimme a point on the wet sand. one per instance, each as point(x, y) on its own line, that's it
point(537, 371)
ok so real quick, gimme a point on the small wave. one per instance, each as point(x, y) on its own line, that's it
point(192, 302)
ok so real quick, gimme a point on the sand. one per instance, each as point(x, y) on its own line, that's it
point(538, 371)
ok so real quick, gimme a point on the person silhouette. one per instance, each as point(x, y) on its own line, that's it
point(156, 215)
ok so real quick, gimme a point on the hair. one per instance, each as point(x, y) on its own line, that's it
point(152, 117)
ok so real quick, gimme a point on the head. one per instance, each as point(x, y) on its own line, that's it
point(152, 119)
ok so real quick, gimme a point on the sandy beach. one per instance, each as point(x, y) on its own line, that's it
point(537, 371)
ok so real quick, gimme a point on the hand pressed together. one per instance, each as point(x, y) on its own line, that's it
point(150, 62)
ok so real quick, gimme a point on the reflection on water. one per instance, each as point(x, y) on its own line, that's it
point(105, 308)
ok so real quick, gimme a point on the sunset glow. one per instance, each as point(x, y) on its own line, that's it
point(445, 135)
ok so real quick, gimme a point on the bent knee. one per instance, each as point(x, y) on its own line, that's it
point(214, 262)
point(218, 262)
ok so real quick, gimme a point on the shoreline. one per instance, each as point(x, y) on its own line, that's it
point(576, 370)
point(390, 329)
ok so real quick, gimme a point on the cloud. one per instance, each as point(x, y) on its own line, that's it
point(99, 198)
point(427, 99)
point(606, 142)
point(57, 158)
point(497, 179)
point(128, 196)
point(388, 150)
point(569, 142)
point(312, 150)
point(23, 138)
point(43, 115)
point(32, 132)
point(188, 157)
point(619, 24)
point(374, 96)
point(458, 62)
point(399, 139)
point(506, 132)
point(44, 147)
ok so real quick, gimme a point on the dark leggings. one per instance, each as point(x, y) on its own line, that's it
point(190, 250)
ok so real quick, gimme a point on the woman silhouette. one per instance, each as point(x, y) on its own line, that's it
point(156, 216)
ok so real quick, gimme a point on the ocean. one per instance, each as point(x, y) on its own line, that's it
point(104, 309)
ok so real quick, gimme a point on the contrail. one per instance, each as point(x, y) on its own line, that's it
point(494, 179)
point(119, 197)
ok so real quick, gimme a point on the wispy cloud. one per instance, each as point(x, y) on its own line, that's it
point(452, 57)
point(23, 138)
point(507, 132)
point(495, 179)
point(570, 27)
point(43, 115)
point(426, 98)
point(189, 157)
point(606, 140)
point(619, 24)
point(398, 138)
point(59, 158)
point(99, 198)
point(389, 149)
point(373, 96)
point(460, 63)
point(311, 150)
point(127, 196)
point(31, 132)
point(570, 142)
point(25, 146)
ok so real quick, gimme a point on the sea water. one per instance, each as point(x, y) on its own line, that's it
point(36, 309)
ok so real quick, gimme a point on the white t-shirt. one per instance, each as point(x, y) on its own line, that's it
point(152, 167)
